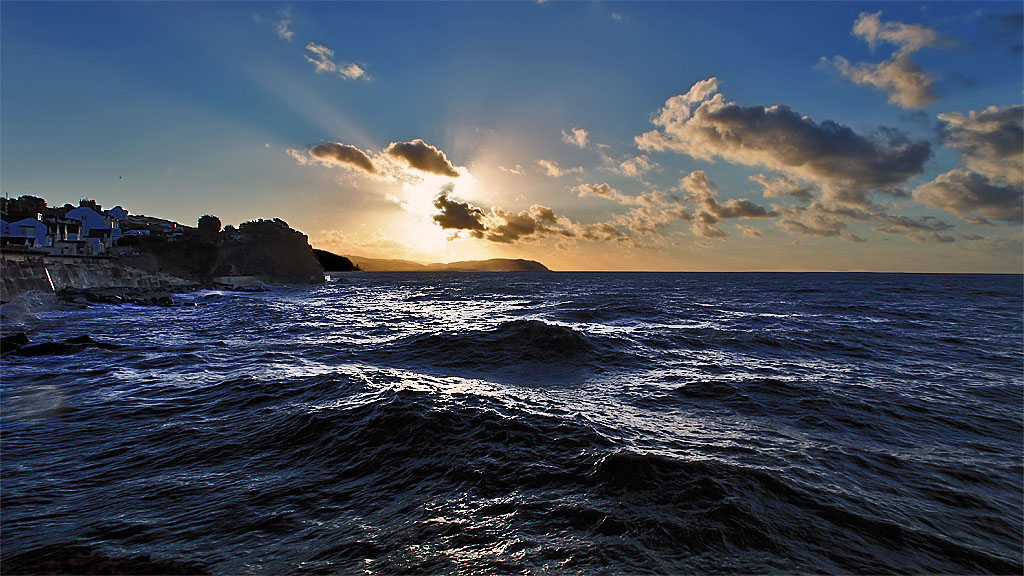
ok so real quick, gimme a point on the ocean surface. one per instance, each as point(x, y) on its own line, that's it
point(539, 423)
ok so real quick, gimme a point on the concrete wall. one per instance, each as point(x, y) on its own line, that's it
point(21, 273)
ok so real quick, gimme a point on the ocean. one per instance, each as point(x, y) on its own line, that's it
point(534, 423)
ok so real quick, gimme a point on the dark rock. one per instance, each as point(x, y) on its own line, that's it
point(65, 348)
point(63, 559)
point(117, 296)
point(12, 342)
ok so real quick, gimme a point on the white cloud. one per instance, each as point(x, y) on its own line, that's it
point(900, 77)
point(322, 58)
point(284, 29)
point(551, 169)
point(576, 137)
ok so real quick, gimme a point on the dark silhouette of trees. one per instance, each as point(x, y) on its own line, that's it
point(209, 226)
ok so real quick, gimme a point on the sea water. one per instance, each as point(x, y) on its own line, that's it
point(547, 423)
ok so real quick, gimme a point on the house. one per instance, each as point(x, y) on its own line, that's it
point(101, 229)
point(28, 231)
point(118, 213)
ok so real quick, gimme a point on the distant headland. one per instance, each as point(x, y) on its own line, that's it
point(492, 265)
point(69, 249)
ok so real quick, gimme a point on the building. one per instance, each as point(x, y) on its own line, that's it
point(29, 232)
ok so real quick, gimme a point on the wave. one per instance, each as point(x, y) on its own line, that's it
point(510, 343)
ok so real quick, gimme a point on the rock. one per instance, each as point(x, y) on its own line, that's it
point(12, 342)
point(65, 348)
point(64, 559)
point(117, 296)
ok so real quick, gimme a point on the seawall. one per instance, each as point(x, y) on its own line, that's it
point(20, 273)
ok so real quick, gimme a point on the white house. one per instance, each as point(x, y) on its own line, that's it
point(105, 229)
point(90, 219)
point(30, 228)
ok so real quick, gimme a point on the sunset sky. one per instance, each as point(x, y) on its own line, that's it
point(585, 135)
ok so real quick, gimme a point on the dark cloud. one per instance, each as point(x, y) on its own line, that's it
point(991, 141)
point(458, 215)
point(704, 194)
point(603, 231)
point(501, 226)
point(423, 156)
point(514, 227)
point(827, 153)
point(821, 219)
point(343, 154)
point(544, 214)
point(964, 192)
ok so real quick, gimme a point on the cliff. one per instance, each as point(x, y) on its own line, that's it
point(259, 251)
point(20, 273)
point(262, 251)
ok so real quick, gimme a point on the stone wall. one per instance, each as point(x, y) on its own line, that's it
point(20, 273)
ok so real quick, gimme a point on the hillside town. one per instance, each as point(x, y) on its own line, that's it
point(28, 224)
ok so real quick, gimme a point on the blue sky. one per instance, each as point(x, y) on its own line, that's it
point(219, 108)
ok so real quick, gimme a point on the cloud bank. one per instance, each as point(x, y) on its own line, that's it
point(845, 164)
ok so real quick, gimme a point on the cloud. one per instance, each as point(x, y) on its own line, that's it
point(908, 37)
point(458, 215)
point(964, 192)
point(749, 231)
point(300, 158)
point(991, 142)
point(322, 58)
point(704, 194)
point(576, 137)
point(422, 156)
point(899, 76)
point(604, 190)
point(931, 238)
point(820, 219)
point(781, 186)
point(616, 16)
point(517, 169)
point(284, 28)
point(551, 169)
point(828, 154)
point(636, 166)
point(342, 154)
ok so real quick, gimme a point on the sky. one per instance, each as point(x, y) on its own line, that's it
point(585, 135)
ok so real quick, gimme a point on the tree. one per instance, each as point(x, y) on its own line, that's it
point(209, 225)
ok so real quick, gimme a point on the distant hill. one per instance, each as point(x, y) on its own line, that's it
point(494, 265)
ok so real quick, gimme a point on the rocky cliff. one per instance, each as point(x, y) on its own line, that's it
point(20, 273)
